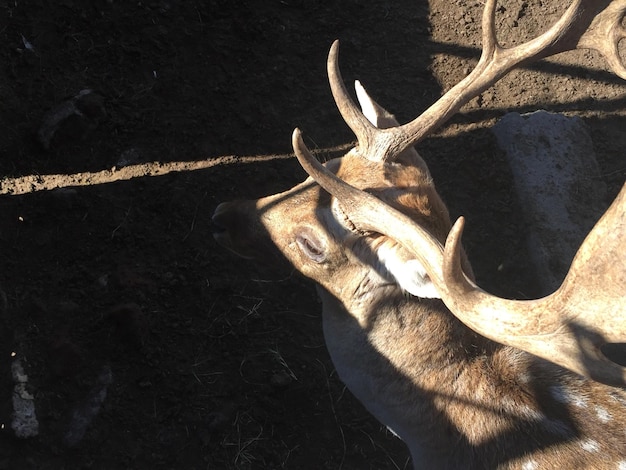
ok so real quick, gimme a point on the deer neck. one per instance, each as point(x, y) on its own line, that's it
point(395, 383)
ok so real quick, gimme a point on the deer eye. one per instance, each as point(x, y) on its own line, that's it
point(311, 245)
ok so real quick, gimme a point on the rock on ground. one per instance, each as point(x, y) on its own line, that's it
point(558, 184)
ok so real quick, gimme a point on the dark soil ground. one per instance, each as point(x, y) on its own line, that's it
point(208, 361)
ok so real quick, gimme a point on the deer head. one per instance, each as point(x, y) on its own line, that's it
point(369, 227)
point(309, 228)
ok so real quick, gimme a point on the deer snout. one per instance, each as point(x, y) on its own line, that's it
point(222, 219)
point(234, 229)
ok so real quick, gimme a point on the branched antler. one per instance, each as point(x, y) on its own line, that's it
point(590, 24)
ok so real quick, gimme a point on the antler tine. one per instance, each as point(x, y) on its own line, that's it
point(590, 24)
point(453, 276)
point(489, 36)
point(363, 129)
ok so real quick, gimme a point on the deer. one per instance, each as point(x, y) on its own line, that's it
point(466, 379)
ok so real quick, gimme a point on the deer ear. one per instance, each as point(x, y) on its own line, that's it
point(413, 278)
point(374, 112)
point(408, 273)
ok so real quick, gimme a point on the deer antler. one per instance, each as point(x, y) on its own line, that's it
point(567, 327)
point(589, 24)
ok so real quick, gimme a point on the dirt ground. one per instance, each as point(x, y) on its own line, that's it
point(146, 345)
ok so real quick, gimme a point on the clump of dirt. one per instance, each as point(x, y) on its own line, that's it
point(119, 305)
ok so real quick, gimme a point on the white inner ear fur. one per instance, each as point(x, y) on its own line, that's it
point(408, 273)
point(374, 113)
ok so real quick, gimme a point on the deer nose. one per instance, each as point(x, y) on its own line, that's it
point(220, 219)
point(227, 222)
point(231, 228)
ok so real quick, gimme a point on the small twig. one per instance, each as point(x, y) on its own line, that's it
point(4, 302)
point(195, 215)
point(332, 408)
point(121, 223)
point(281, 360)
